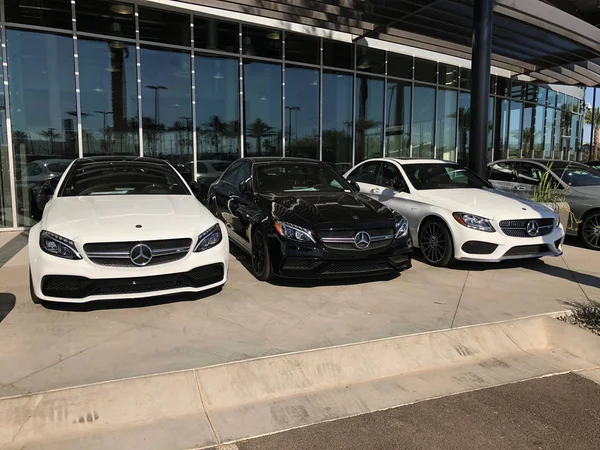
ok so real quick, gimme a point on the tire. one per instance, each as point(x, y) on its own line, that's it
point(261, 259)
point(435, 242)
point(34, 297)
point(589, 231)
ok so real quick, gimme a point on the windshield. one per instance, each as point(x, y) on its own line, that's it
point(122, 178)
point(286, 177)
point(58, 167)
point(443, 176)
point(576, 175)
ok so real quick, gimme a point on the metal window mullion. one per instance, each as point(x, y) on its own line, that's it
point(284, 140)
point(139, 79)
point(354, 93)
point(385, 112)
point(457, 126)
point(435, 117)
point(521, 130)
point(241, 91)
point(193, 87)
point(412, 109)
point(9, 143)
point(77, 89)
point(321, 100)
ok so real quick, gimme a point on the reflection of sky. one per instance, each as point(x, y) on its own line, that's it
point(515, 124)
point(217, 87)
point(302, 91)
point(337, 101)
point(262, 93)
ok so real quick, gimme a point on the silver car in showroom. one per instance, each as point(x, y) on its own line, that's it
point(579, 183)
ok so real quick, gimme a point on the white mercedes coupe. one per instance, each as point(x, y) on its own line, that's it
point(453, 214)
point(121, 228)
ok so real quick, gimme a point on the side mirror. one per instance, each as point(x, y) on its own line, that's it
point(355, 186)
point(195, 187)
point(245, 187)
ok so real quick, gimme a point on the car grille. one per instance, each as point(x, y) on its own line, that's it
point(116, 254)
point(343, 240)
point(528, 250)
point(359, 267)
point(518, 228)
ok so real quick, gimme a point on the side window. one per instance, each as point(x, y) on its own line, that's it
point(230, 174)
point(365, 173)
point(33, 169)
point(502, 171)
point(529, 173)
point(243, 173)
point(388, 173)
point(202, 168)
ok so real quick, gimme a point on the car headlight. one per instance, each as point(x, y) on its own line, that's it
point(56, 245)
point(294, 232)
point(401, 227)
point(209, 238)
point(474, 222)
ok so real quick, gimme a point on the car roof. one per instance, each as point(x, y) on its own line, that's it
point(544, 162)
point(115, 159)
point(274, 159)
point(413, 160)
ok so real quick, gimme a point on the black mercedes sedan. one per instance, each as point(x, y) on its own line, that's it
point(299, 218)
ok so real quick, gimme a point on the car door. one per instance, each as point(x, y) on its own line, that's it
point(223, 189)
point(529, 176)
point(239, 205)
point(365, 175)
point(503, 175)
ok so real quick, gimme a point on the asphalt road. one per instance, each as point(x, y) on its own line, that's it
point(560, 412)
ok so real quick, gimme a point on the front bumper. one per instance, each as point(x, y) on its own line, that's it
point(315, 262)
point(60, 280)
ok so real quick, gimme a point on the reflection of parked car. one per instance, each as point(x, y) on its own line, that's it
point(124, 227)
point(299, 218)
point(209, 171)
point(454, 214)
point(36, 173)
point(580, 183)
point(593, 164)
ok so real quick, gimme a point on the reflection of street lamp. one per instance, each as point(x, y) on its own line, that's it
point(187, 122)
point(156, 88)
point(104, 113)
point(290, 109)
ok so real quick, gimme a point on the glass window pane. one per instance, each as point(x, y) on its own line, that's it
point(216, 35)
point(370, 60)
point(514, 132)
point(398, 118)
point(400, 66)
point(503, 132)
point(337, 119)
point(166, 27)
point(44, 13)
point(502, 86)
point(464, 127)
point(448, 75)
point(263, 42)
point(217, 113)
point(538, 132)
point(167, 107)
point(558, 133)
point(425, 70)
point(43, 110)
point(338, 54)
point(551, 97)
point(423, 117)
point(369, 117)
point(5, 195)
point(490, 150)
point(465, 78)
point(528, 132)
point(493, 84)
point(302, 48)
point(560, 103)
point(530, 92)
point(106, 17)
point(542, 95)
point(262, 108)
point(548, 133)
point(109, 113)
point(445, 135)
point(516, 90)
point(302, 112)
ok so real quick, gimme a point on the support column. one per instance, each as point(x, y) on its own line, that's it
point(483, 12)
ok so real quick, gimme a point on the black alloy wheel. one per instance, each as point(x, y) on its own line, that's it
point(436, 245)
point(590, 231)
point(261, 259)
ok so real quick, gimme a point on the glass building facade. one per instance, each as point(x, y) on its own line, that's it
point(101, 77)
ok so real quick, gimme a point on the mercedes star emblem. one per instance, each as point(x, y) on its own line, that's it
point(141, 255)
point(533, 228)
point(362, 240)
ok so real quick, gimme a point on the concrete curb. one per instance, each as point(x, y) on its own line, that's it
point(213, 405)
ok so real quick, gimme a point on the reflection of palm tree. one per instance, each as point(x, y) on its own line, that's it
point(259, 129)
point(215, 127)
point(51, 135)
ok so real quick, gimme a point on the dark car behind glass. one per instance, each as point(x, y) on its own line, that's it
point(298, 218)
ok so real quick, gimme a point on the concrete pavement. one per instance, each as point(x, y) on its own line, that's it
point(71, 346)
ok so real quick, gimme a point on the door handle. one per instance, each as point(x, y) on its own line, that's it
point(520, 188)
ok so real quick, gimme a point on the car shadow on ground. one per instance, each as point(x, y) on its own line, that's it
point(244, 259)
point(129, 303)
point(7, 304)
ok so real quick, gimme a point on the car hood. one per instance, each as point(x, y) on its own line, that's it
point(489, 203)
point(97, 218)
point(329, 210)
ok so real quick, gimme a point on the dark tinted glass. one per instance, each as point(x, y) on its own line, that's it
point(423, 119)
point(516, 90)
point(369, 117)
point(492, 84)
point(302, 48)
point(366, 173)
point(217, 108)
point(44, 13)
point(425, 70)
point(302, 112)
point(106, 17)
point(165, 27)
point(528, 173)
point(388, 174)
point(230, 174)
point(530, 92)
point(216, 35)
point(400, 66)
point(338, 54)
point(5, 182)
point(122, 178)
point(445, 136)
point(298, 177)
point(263, 42)
point(465, 78)
point(502, 171)
point(397, 123)
point(262, 108)
point(107, 78)
point(503, 86)
point(337, 119)
point(43, 108)
point(448, 75)
point(464, 125)
point(442, 176)
point(370, 60)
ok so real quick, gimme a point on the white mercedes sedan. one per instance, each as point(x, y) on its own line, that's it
point(121, 228)
point(453, 214)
